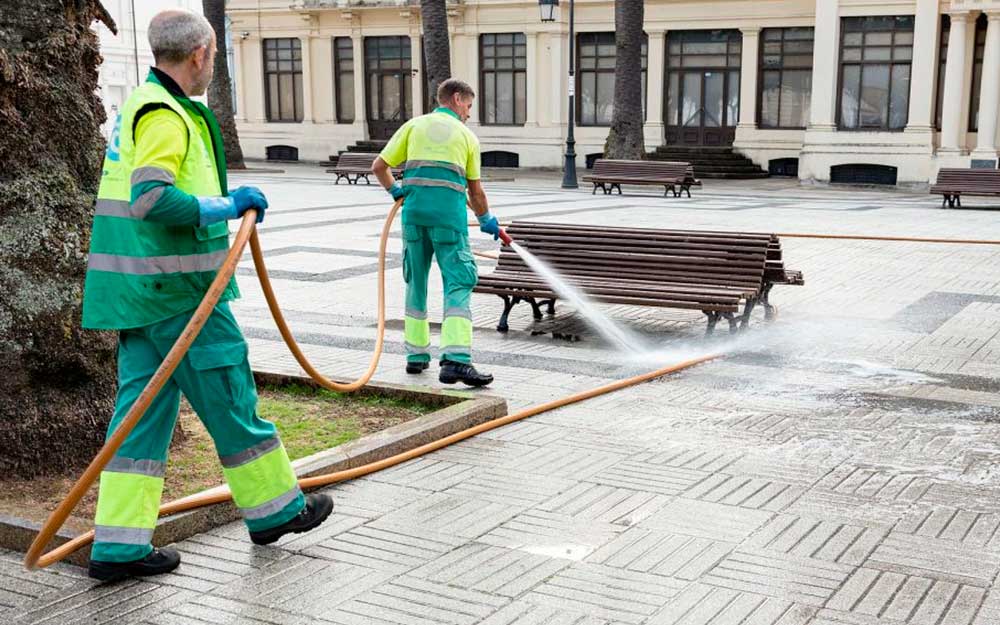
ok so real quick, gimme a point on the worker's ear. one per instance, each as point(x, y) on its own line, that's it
point(200, 56)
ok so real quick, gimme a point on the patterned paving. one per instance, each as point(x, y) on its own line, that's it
point(838, 467)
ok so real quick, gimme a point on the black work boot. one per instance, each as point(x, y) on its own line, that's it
point(158, 561)
point(317, 508)
point(416, 366)
point(452, 372)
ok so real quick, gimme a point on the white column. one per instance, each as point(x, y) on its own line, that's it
point(952, 116)
point(655, 58)
point(989, 99)
point(531, 81)
point(307, 90)
point(558, 42)
point(254, 84)
point(922, 83)
point(324, 110)
point(418, 80)
point(238, 60)
point(360, 114)
point(748, 79)
point(826, 51)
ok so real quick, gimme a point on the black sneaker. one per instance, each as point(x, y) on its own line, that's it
point(317, 508)
point(158, 561)
point(417, 366)
point(452, 372)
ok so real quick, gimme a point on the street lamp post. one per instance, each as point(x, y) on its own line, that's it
point(548, 12)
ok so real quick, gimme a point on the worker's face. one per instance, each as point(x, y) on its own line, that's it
point(203, 67)
point(462, 104)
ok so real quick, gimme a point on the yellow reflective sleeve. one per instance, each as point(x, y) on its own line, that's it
point(394, 153)
point(473, 164)
point(161, 141)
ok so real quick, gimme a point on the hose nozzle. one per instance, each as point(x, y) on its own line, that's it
point(505, 238)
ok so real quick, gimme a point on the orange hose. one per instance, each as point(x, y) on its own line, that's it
point(35, 557)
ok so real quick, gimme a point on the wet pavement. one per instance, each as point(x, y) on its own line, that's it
point(839, 466)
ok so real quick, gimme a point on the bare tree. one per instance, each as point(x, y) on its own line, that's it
point(57, 382)
point(220, 92)
point(437, 49)
point(625, 138)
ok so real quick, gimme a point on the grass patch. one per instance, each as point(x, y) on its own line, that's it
point(308, 419)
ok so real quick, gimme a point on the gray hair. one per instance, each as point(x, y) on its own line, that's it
point(176, 33)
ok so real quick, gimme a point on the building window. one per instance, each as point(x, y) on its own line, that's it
point(786, 77)
point(977, 71)
point(283, 77)
point(503, 81)
point(875, 56)
point(942, 65)
point(343, 68)
point(595, 83)
point(703, 80)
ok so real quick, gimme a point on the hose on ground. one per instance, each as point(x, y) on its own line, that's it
point(37, 558)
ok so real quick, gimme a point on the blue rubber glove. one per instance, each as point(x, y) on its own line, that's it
point(397, 190)
point(249, 197)
point(489, 224)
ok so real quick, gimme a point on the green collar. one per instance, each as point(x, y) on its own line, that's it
point(445, 109)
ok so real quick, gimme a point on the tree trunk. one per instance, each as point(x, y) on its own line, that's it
point(625, 138)
point(57, 382)
point(220, 91)
point(436, 47)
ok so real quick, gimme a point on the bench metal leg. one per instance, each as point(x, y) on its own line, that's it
point(764, 295)
point(619, 188)
point(552, 307)
point(713, 318)
point(340, 177)
point(596, 185)
point(536, 308)
point(508, 303)
point(944, 201)
point(733, 322)
point(747, 309)
point(958, 201)
point(686, 188)
point(667, 189)
point(365, 176)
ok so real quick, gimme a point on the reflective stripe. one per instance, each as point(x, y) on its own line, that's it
point(413, 313)
point(414, 350)
point(145, 202)
point(152, 468)
point(456, 332)
point(247, 455)
point(150, 174)
point(274, 506)
point(123, 535)
point(431, 182)
point(112, 208)
point(464, 313)
point(443, 165)
point(148, 265)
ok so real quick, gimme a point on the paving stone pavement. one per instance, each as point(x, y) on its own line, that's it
point(840, 466)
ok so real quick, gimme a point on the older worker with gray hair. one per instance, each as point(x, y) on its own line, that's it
point(159, 237)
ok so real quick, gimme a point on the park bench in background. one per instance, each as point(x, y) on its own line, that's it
point(714, 272)
point(953, 183)
point(359, 165)
point(672, 176)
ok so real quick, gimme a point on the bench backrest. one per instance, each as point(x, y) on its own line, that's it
point(646, 170)
point(356, 160)
point(969, 179)
point(690, 257)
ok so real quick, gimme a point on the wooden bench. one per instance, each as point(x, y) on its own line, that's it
point(359, 165)
point(673, 176)
point(953, 183)
point(714, 272)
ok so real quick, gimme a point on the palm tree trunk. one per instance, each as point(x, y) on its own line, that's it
point(625, 138)
point(220, 93)
point(57, 382)
point(437, 50)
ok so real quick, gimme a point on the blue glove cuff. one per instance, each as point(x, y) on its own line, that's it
point(212, 210)
point(484, 218)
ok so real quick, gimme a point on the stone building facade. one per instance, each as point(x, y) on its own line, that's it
point(841, 90)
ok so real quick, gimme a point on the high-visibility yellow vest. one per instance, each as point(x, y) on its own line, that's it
point(141, 272)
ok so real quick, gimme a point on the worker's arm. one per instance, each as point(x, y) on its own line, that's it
point(161, 142)
point(477, 196)
point(383, 172)
point(392, 155)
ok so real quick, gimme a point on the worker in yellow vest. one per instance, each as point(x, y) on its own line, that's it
point(442, 161)
point(159, 237)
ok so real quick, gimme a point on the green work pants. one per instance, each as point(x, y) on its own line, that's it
point(215, 378)
point(459, 274)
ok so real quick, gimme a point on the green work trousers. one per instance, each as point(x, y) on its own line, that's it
point(459, 275)
point(215, 378)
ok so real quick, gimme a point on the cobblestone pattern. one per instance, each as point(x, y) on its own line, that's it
point(837, 468)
